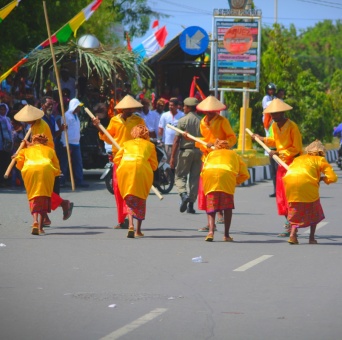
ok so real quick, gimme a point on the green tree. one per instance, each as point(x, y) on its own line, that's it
point(20, 33)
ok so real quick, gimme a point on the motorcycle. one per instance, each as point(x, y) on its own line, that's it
point(163, 177)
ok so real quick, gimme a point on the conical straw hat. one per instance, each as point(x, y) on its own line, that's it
point(277, 105)
point(128, 102)
point(210, 104)
point(316, 146)
point(28, 113)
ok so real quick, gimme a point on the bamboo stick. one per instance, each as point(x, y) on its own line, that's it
point(22, 144)
point(102, 128)
point(275, 157)
point(189, 136)
point(60, 96)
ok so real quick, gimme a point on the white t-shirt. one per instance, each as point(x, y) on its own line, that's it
point(169, 118)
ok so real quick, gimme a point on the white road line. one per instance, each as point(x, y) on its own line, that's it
point(252, 263)
point(319, 226)
point(134, 324)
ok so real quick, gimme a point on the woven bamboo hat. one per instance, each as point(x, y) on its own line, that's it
point(277, 105)
point(316, 147)
point(28, 113)
point(128, 102)
point(210, 104)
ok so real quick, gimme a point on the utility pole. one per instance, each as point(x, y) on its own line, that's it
point(275, 11)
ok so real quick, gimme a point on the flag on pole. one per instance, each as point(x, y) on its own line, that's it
point(155, 24)
point(62, 35)
point(8, 9)
point(152, 44)
point(195, 86)
point(128, 39)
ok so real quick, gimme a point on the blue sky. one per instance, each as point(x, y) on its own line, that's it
point(302, 13)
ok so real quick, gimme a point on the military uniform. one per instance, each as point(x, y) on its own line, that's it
point(189, 157)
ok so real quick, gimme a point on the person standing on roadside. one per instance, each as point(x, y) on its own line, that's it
point(168, 135)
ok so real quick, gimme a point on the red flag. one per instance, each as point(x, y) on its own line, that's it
point(129, 47)
point(193, 87)
point(161, 35)
point(155, 24)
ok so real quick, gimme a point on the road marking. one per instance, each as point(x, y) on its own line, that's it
point(319, 226)
point(252, 263)
point(134, 324)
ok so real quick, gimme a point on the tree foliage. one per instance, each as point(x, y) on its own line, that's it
point(25, 27)
point(313, 87)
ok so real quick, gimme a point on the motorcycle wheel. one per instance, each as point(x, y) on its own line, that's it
point(109, 182)
point(166, 181)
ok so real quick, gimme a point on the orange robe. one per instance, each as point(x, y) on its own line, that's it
point(287, 140)
point(302, 179)
point(222, 170)
point(40, 126)
point(39, 166)
point(120, 129)
point(218, 128)
point(136, 161)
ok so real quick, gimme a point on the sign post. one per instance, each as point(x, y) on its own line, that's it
point(235, 58)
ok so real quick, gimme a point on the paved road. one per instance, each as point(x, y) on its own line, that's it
point(84, 280)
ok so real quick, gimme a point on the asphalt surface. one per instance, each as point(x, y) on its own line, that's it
point(85, 280)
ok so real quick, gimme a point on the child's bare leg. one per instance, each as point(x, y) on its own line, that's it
point(138, 231)
point(35, 218)
point(228, 213)
point(130, 227)
point(211, 222)
point(35, 226)
point(312, 234)
point(130, 222)
point(293, 235)
point(40, 222)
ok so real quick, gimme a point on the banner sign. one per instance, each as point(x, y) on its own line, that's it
point(235, 52)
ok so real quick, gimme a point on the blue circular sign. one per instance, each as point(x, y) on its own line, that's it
point(194, 40)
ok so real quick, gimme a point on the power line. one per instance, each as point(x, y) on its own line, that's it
point(325, 4)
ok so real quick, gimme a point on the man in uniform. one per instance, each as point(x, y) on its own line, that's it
point(189, 157)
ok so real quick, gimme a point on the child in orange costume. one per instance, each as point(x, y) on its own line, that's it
point(39, 166)
point(302, 190)
point(222, 170)
point(136, 161)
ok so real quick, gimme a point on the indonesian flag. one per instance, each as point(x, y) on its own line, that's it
point(152, 44)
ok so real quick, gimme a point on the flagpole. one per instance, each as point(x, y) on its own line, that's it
point(60, 96)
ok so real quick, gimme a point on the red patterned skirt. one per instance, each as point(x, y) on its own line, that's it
point(40, 205)
point(303, 214)
point(218, 200)
point(136, 207)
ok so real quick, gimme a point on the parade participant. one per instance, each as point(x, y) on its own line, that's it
point(288, 143)
point(168, 135)
point(212, 127)
point(32, 116)
point(39, 166)
point(136, 161)
point(120, 127)
point(222, 170)
point(302, 189)
point(189, 157)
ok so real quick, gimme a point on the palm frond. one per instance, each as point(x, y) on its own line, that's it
point(103, 60)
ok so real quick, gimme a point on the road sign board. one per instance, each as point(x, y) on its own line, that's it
point(194, 40)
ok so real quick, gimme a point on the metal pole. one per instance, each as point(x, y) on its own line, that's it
point(275, 11)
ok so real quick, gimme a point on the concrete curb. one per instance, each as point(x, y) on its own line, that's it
point(263, 172)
